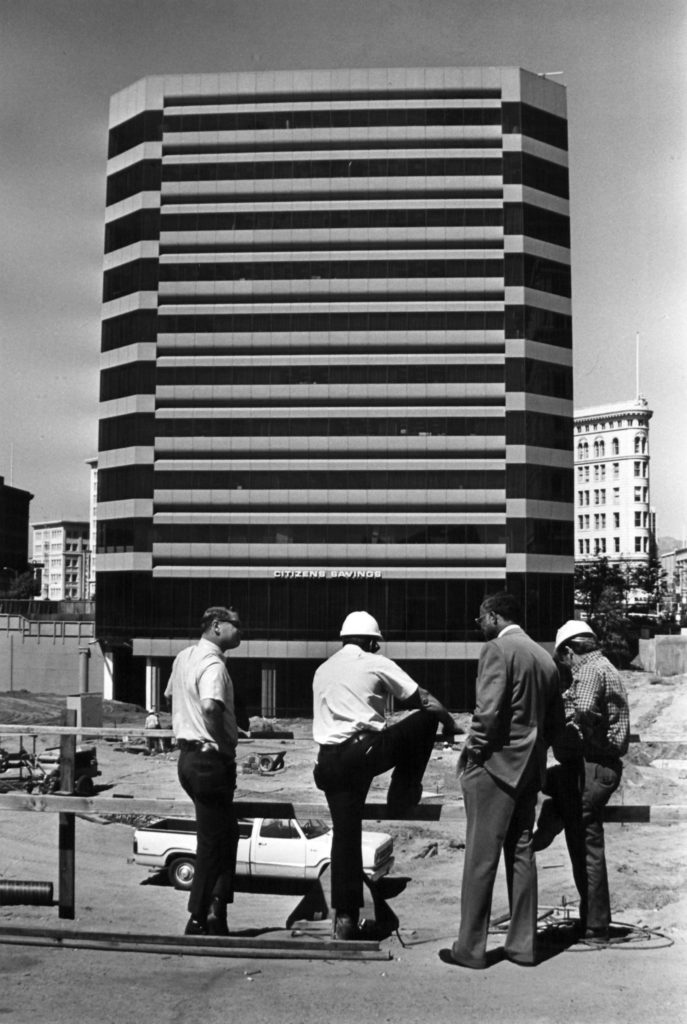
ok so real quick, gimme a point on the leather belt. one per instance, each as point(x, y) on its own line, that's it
point(202, 746)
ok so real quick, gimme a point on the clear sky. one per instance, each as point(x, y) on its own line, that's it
point(625, 69)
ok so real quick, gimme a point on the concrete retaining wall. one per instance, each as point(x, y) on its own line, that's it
point(664, 655)
point(43, 657)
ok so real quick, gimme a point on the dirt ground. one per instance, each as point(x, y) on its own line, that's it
point(643, 978)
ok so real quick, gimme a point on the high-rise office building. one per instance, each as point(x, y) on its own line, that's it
point(336, 367)
point(612, 482)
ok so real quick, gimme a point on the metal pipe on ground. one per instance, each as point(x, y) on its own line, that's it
point(34, 894)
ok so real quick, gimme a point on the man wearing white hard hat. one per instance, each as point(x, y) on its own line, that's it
point(595, 739)
point(350, 694)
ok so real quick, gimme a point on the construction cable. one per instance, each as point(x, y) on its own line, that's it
point(628, 940)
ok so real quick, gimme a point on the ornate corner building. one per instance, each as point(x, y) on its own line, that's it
point(336, 368)
point(612, 482)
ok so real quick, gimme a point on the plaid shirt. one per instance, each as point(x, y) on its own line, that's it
point(596, 705)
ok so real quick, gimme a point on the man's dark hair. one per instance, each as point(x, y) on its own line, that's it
point(218, 612)
point(505, 605)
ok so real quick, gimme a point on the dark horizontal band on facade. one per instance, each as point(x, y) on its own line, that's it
point(288, 244)
point(330, 118)
point(328, 269)
point(317, 220)
point(445, 193)
point(452, 345)
point(198, 323)
point(490, 293)
point(144, 481)
point(144, 377)
point(436, 561)
point(334, 94)
point(444, 141)
point(328, 533)
point(280, 401)
point(317, 374)
point(142, 429)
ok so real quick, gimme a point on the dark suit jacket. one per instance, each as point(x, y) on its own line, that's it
point(519, 708)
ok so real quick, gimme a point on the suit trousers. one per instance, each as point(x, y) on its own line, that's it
point(209, 778)
point(499, 818)
point(344, 771)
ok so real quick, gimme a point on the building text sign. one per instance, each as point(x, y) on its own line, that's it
point(327, 574)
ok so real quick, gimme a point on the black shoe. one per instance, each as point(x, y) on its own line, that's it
point(549, 825)
point(345, 927)
point(217, 918)
point(195, 927)
point(400, 801)
point(596, 937)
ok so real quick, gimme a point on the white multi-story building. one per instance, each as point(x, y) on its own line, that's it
point(62, 548)
point(92, 523)
point(613, 515)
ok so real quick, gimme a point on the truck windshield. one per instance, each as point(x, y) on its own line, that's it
point(313, 827)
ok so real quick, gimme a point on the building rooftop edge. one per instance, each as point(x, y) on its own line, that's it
point(339, 77)
point(60, 522)
point(630, 405)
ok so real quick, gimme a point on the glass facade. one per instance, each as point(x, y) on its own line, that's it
point(336, 367)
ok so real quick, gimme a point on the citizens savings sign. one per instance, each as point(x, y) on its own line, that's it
point(327, 574)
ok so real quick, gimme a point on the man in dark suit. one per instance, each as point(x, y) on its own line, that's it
point(518, 713)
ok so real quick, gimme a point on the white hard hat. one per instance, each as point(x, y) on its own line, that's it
point(572, 628)
point(360, 624)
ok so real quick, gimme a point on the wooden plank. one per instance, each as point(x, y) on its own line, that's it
point(171, 808)
point(118, 732)
point(636, 813)
point(195, 945)
point(256, 807)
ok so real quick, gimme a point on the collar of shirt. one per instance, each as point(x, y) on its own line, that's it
point(508, 629)
point(211, 647)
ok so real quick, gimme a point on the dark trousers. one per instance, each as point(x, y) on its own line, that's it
point(498, 818)
point(580, 792)
point(345, 772)
point(209, 778)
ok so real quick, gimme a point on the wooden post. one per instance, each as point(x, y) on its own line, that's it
point(67, 824)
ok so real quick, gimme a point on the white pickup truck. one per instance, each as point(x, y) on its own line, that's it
point(275, 849)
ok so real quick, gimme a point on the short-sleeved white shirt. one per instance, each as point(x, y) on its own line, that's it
point(200, 673)
point(350, 691)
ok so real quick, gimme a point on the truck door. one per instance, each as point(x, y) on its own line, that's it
point(279, 849)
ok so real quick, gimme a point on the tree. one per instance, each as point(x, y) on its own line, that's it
point(24, 586)
point(650, 577)
point(594, 577)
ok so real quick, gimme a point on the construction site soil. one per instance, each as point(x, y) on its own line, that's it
point(640, 977)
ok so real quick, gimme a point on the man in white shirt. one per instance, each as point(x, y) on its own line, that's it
point(350, 693)
point(205, 727)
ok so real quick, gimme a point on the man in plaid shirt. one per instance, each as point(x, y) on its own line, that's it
point(596, 737)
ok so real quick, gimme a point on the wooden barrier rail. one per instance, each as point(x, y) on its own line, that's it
point(255, 805)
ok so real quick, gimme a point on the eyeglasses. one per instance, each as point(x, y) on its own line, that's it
point(230, 622)
point(484, 615)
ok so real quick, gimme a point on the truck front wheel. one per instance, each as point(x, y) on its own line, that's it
point(181, 871)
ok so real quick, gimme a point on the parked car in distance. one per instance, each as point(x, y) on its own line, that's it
point(269, 850)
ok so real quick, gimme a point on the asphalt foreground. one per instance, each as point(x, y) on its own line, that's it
point(641, 978)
